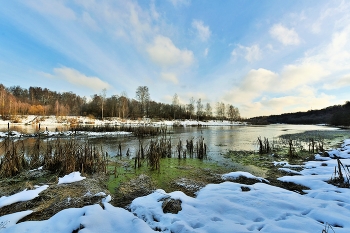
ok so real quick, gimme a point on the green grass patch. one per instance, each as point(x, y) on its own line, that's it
point(170, 170)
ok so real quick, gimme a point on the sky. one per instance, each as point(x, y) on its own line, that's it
point(264, 57)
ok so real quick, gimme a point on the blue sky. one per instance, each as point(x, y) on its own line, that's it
point(265, 57)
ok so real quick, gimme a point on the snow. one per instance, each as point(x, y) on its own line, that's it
point(70, 178)
point(89, 219)
point(11, 219)
point(25, 195)
point(224, 207)
point(236, 175)
point(287, 170)
point(53, 120)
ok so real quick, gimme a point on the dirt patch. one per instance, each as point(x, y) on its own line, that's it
point(188, 186)
point(56, 197)
point(128, 191)
point(290, 186)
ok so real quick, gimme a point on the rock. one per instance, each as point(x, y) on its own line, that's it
point(171, 205)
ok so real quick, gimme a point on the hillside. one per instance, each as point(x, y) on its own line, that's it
point(338, 115)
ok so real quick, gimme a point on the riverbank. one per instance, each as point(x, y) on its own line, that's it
point(74, 120)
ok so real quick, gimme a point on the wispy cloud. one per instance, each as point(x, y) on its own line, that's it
point(202, 30)
point(178, 3)
point(206, 51)
point(284, 35)
point(89, 21)
point(155, 15)
point(170, 77)
point(55, 8)
point(252, 53)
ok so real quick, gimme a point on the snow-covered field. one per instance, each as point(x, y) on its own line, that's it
point(225, 207)
point(53, 120)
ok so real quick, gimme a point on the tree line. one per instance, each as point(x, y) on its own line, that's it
point(16, 100)
point(337, 115)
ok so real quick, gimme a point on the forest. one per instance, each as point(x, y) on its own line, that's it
point(337, 115)
point(16, 100)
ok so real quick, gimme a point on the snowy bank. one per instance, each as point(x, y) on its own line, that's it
point(81, 120)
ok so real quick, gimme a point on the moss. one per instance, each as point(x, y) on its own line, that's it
point(170, 170)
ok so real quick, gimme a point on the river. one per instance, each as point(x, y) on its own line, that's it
point(219, 139)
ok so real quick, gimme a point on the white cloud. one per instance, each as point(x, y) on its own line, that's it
point(337, 54)
point(165, 53)
point(262, 81)
point(285, 103)
point(253, 53)
point(78, 79)
point(252, 86)
point(293, 76)
point(258, 80)
point(344, 81)
point(284, 35)
point(170, 77)
point(202, 30)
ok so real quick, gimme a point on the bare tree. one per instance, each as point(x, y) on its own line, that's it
point(175, 103)
point(191, 107)
point(208, 110)
point(199, 108)
point(233, 113)
point(220, 110)
point(142, 95)
point(103, 98)
point(123, 104)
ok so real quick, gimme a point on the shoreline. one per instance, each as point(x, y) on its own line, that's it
point(81, 120)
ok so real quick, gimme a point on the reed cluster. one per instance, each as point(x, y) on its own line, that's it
point(140, 130)
point(341, 175)
point(61, 157)
point(162, 148)
point(13, 160)
point(264, 145)
point(72, 155)
point(156, 149)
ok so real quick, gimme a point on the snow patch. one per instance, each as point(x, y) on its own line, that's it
point(70, 178)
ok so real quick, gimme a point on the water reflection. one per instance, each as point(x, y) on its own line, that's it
point(219, 139)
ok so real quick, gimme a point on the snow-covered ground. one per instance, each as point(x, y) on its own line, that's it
point(53, 120)
point(225, 207)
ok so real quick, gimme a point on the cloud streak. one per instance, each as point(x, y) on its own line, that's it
point(78, 79)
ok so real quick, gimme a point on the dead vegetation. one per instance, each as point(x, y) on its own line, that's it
point(341, 175)
point(60, 157)
point(139, 131)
